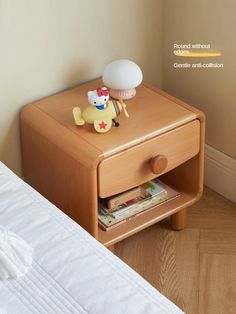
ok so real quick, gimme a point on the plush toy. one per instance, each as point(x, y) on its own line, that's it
point(101, 112)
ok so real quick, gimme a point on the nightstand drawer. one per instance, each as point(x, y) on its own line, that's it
point(147, 160)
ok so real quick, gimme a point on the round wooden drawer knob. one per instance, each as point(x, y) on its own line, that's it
point(158, 164)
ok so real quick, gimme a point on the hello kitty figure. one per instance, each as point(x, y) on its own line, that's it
point(101, 112)
point(99, 97)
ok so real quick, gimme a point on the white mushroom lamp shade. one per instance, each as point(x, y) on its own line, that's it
point(122, 76)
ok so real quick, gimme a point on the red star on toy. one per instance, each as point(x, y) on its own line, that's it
point(102, 125)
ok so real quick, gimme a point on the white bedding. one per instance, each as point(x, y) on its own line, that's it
point(72, 272)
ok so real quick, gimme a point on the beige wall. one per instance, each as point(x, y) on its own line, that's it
point(49, 45)
point(213, 91)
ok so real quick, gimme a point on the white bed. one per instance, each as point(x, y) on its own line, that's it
point(72, 272)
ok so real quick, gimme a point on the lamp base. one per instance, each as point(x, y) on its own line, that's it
point(123, 93)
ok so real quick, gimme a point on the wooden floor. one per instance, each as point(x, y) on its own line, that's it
point(196, 267)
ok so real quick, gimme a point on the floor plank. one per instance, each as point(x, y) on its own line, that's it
point(217, 284)
point(218, 241)
point(212, 212)
point(195, 268)
point(188, 266)
point(168, 259)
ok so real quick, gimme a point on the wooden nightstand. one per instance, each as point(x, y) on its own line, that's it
point(73, 166)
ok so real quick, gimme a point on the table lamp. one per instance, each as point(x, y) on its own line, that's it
point(122, 76)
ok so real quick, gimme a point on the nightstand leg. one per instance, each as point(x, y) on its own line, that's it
point(111, 248)
point(178, 221)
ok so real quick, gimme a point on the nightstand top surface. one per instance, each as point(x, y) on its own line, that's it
point(150, 113)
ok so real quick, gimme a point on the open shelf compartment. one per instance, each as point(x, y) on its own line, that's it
point(183, 180)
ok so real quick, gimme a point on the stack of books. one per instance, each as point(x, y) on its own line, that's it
point(119, 208)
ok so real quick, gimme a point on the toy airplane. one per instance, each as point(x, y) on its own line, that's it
point(101, 112)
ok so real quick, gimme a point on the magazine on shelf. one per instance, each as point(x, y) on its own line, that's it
point(147, 190)
point(119, 199)
point(154, 193)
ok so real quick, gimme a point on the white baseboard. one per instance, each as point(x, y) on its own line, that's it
point(220, 173)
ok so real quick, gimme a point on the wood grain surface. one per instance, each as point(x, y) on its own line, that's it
point(63, 161)
point(217, 290)
point(196, 267)
point(132, 167)
point(151, 114)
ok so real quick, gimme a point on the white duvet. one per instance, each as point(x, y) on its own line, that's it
point(71, 271)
